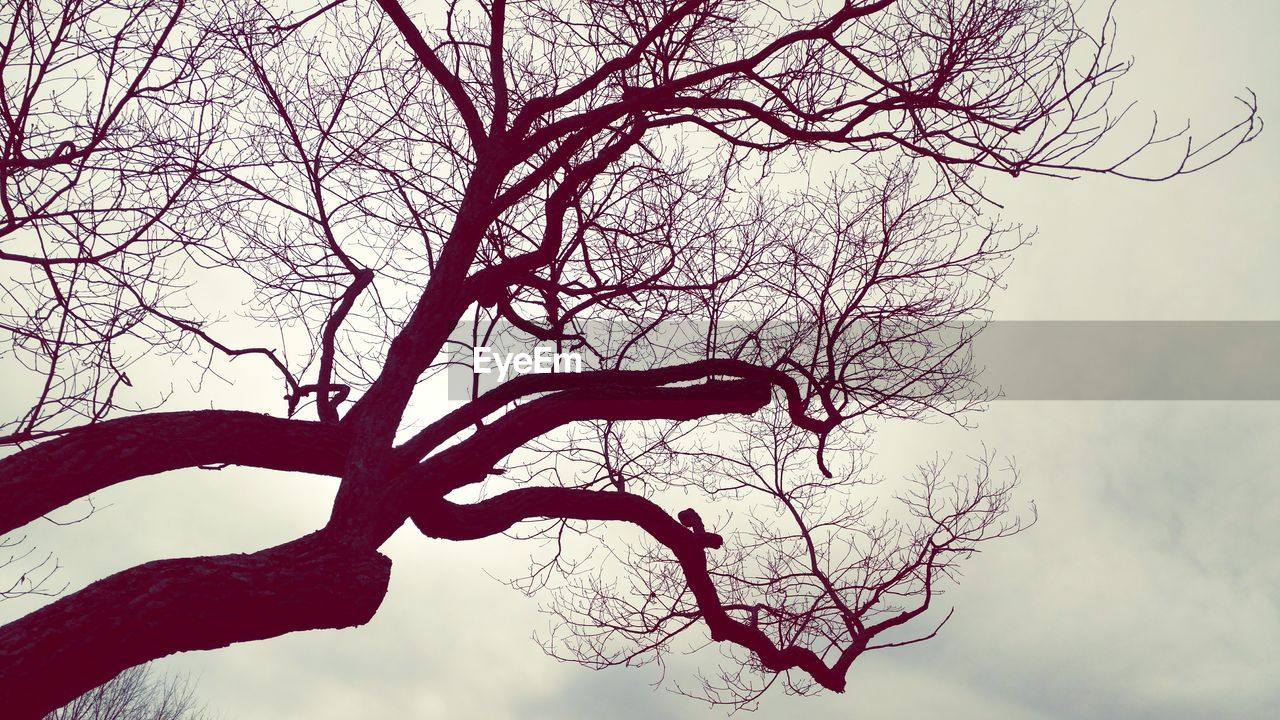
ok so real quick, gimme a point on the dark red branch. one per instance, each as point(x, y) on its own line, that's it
point(50, 656)
point(450, 82)
point(54, 473)
point(437, 517)
point(469, 460)
point(642, 380)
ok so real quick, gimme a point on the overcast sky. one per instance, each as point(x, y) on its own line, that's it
point(1147, 590)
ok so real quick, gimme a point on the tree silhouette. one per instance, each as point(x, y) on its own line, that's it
point(762, 224)
point(135, 694)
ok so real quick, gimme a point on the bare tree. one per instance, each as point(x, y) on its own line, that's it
point(26, 570)
point(761, 223)
point(135, 694)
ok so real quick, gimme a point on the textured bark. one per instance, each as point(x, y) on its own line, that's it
point(52, 655)
point(45, 477)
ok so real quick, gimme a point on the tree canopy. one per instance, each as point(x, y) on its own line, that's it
point(761, 224)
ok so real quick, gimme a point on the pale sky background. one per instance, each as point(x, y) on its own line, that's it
point(1147, 590)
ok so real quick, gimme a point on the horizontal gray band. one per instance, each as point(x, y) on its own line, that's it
point(1039, 360)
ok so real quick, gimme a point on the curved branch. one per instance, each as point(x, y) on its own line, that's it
point(450, 82)
point(368, 515)
point(56, 653)
point(437, 517)
point(470, 460)
point(45, 477)
point(647, 380)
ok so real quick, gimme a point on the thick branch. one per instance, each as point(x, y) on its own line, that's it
point(450, 82)
point(471, 459)
point(56, 653)
point(381, 511)
point(643, 381)
point(54, 473)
